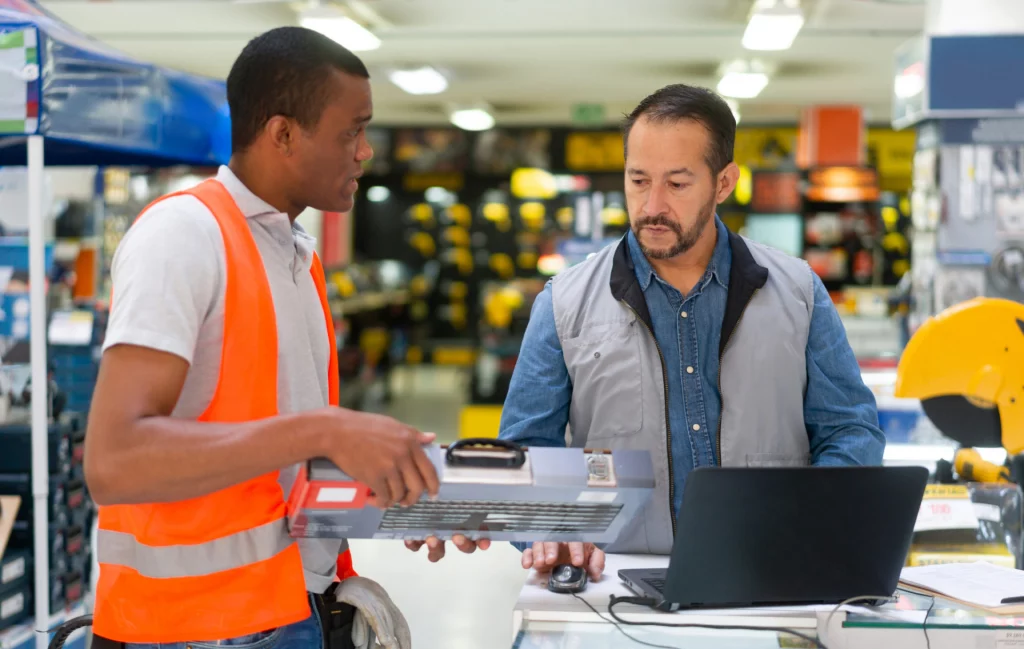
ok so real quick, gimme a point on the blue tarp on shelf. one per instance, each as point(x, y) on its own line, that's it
point(97, 106)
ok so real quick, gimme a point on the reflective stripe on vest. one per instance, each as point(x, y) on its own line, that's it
point(167, 561)
point(221, 565)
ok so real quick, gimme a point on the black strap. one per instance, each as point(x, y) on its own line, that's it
point(336, 619)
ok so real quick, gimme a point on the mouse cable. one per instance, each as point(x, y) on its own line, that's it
point(924, 626)
point(853, 600)
point(620, 629)
point(651, 603)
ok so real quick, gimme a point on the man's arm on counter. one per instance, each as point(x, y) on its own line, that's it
point(536, 410)
point(839, 409)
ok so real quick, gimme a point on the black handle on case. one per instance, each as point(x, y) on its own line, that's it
point(454, 458)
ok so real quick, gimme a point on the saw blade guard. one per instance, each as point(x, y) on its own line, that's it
point(966, 366)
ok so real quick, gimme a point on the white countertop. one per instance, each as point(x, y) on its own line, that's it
point(537, 603)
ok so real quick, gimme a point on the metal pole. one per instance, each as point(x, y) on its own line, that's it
point(40, 398)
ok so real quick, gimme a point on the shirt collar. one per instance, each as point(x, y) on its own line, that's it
point(718, 269)
point(253, 207)
point(249, 203)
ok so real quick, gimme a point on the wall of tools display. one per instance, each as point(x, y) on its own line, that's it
point(463, 210)
point(843, 226)
point(370, 307)
point(967, 201)
point(481, 220)
point(968, 213)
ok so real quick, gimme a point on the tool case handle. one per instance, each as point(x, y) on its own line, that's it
point(485, 452)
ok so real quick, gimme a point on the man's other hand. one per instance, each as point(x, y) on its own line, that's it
point(543, 557)
point(435, 546)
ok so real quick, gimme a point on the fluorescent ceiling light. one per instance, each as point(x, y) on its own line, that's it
point(420, 81)
point(341, 29)
point(773, 27)
point(742, 85)
point(473, 119)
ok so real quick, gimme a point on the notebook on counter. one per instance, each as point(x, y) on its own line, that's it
point(995, 589)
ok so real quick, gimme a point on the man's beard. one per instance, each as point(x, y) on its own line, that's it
point(684, 239)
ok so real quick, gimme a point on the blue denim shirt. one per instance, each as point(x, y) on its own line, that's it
point(839, 410)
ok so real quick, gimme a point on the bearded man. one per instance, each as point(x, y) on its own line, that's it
point(685, 339)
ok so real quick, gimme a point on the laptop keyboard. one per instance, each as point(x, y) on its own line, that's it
point(657, 583)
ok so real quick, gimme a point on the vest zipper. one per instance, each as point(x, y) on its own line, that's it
point(668, 426)
point(721, 394)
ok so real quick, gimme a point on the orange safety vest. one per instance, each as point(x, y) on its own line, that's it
point(221, 565)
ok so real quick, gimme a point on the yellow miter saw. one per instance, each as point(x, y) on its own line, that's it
point(966, 366)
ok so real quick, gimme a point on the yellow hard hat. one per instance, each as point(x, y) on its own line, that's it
point(966, 365)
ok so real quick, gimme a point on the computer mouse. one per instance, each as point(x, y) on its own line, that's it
point(567, 578)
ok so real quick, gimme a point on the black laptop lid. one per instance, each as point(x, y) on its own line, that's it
point(793, 535)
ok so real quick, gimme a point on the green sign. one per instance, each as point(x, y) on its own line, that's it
point(588, 114)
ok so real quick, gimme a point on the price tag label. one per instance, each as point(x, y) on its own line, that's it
point(1010, 640)
point(13, 570)
point(71, 328)
point(946, 507)
point(12, 606)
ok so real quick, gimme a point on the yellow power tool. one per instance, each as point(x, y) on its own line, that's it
point(966, 366)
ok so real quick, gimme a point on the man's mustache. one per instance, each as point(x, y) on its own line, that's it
point(660, 221)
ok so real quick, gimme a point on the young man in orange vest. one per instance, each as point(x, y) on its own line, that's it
point(219, 375)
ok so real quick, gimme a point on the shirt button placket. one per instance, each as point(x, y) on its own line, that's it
point(699, 442)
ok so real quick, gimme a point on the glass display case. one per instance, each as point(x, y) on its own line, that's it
point(902, 623)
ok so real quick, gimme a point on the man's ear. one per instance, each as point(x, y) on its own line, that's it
point(281, 132)
point(727, 180)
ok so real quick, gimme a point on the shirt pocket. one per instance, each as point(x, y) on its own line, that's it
point(605, 369)
point(769, 460)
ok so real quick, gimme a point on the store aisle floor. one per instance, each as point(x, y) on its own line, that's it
point(430, 398)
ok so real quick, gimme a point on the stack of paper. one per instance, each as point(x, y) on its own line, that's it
point(981, 585)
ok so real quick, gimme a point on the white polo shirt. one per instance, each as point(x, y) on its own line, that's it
point(168, 285)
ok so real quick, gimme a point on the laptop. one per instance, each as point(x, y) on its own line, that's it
point(786, 536)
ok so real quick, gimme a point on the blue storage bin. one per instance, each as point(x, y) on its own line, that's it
point(14, 253)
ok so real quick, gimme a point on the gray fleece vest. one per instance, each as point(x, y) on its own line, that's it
point(619, 393)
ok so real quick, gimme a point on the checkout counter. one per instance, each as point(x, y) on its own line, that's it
point(545, 620)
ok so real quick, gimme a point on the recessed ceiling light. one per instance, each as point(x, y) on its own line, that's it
point(419, 81)
point(773, 25)
point(742, 85)
point(472, 119)
point(339, 28)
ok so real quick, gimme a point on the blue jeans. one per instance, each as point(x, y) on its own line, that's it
point(301, 635)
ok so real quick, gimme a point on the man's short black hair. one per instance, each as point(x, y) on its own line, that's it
point(284, 72)
point(680, 102)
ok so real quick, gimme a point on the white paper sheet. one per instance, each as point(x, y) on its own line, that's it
point(981, 583)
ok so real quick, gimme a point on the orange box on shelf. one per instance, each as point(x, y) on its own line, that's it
point(831, 136)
